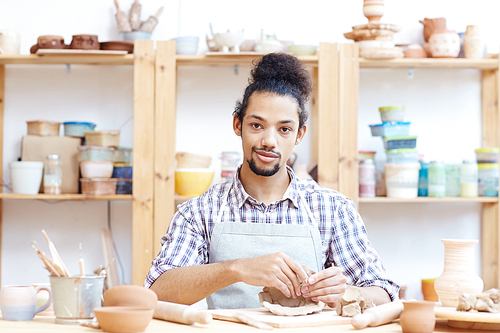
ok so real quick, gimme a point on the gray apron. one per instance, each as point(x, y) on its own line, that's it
point(236, 240)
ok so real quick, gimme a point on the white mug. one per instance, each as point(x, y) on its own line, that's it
point(18, 303)
point(9, 41)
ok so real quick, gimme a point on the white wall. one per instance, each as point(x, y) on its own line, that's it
point(443, 106)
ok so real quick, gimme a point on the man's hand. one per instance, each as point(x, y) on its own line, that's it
point(326, 286)
point(273, 270)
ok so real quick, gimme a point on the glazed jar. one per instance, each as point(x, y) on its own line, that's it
point(469, 179)
point(444, 44)
point(437, 179)
point(423, 179)
point(367, 179)
point(487, 179)
point(373, 10)
point(458, 273)
point(473, 43)
point(418, 317)
point(452, 180)
point(52, 175)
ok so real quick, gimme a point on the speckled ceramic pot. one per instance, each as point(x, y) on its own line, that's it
point(444, 44)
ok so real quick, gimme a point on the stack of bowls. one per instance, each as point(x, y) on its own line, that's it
point(488, 171)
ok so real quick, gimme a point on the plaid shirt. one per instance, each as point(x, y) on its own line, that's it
point(344, 239)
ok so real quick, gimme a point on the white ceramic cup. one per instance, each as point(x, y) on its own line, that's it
point(26, 176)
point(9, 41)
point(18, 303)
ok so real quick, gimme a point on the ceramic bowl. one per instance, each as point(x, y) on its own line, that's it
point(302, 50)
point(123, 319)
point(130, 295)
point(193, 182)
point(186, 45)
point(229, 39)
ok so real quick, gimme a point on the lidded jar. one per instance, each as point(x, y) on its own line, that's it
point(52, 177)
point(367, 180)
point(469, 179)
point(437, 179)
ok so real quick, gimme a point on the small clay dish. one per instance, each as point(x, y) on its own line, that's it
point(85, 42)
point(123, 319)
point(130, 295)
point(118, 46)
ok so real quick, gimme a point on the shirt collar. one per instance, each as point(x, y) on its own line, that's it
point(240, 195)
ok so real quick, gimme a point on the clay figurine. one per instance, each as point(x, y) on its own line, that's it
point(274, 300)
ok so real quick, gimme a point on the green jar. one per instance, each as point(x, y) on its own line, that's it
point(437, 179)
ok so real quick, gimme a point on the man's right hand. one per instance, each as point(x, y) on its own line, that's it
point(273, 270)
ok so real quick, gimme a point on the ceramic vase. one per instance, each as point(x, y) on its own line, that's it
point(444, 44)
point(431, 25)
point(473, 43)
point(459, 272)
point(373, 10)
point(418, 317)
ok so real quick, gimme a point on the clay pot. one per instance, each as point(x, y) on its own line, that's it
point(48, 42)
point(473, 43)
point(459, 272)
point(373, 10)
point(431, 25)
point(418, 317)
point(85, 42)
point(130, 295)
point(444, 44)
point(415, 51)
point(123, 319)
point(428, 290)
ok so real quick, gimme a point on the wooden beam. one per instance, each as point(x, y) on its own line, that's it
point(314, 116)
point(142, 207)
point(489, 107)
point(348, 120)
point(2, 106)
point(328, 111)
point(489, 245)
point(165, 124)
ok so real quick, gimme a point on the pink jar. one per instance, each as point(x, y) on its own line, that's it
point(367, 180)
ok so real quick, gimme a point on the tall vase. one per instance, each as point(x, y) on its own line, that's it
point(373, 10)
point(459, 272)
point(473, 43)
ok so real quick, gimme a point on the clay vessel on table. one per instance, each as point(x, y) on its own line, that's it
point(431, 25)
point(473, 43)
point(459, 274)
point(418, 317)
point(130, 295)
point(444, 44)
point(85, 42)
point(373, 10)
point(123, 319)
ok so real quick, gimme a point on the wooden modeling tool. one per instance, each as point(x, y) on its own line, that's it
point(55, 255)
point(122, 19)
point(134, 15)
point(150, 24)
point(53, 269)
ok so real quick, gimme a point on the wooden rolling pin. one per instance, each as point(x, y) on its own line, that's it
point(378, 315)
point(181, 313)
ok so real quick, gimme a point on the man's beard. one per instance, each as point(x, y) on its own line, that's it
point(263, 172)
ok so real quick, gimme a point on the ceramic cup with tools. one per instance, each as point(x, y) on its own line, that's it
point(18, 303)
point(75, 298)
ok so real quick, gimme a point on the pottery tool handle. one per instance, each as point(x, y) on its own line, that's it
point(181, 313)
point(378, 315)
point(122, 19)
point(134, 15)
point(150, 24)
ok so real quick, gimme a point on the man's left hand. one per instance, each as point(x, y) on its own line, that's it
point(326, 286)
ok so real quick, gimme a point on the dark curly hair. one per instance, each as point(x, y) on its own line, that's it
point(281, 74)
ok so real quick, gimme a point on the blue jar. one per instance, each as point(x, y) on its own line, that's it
point(423, 179)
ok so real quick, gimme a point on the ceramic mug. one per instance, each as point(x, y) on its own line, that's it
point(18, 303)
point(9, 41)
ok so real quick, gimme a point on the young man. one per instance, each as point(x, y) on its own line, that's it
point(259, 228)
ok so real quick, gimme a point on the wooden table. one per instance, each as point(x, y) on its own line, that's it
point(42, 324)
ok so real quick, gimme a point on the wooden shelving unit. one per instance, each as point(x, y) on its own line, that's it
point(65, 197)
point(382, 200)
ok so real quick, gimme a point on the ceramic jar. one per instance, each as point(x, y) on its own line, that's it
point(444, 44)
point(373, 10)
point(473, 43)
point(459, 272)
point(431, 25)
point(418, 317)
point(9, 42)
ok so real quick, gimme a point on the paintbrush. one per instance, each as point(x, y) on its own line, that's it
point(80, 262)
point(55, 255)
point(51, 267)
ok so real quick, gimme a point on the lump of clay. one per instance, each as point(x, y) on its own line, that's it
point(488, 301)
point(276, 302)
point(466, 302)
point(352, 303)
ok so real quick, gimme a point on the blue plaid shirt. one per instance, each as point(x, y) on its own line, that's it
point(344, 239)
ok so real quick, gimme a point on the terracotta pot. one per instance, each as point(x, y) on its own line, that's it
point(428, 290)
point(459, 272)
point(444, 44)
point(431, 25)
point(473, 43)
point(373, 10)
point(130, 295)
point(418, 317)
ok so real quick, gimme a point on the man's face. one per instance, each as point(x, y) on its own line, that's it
point(269, 131)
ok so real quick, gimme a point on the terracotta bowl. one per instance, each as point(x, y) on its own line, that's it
point(130, 295)
point(118, 46)
point(123, 319)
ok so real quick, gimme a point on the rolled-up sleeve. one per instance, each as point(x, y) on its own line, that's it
point(184, 244)
point(354, 254)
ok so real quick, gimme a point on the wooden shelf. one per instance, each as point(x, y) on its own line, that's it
point(431, 63)
point(231, 60)
point(90, 59)
point(65, 197)
point(428, 200)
